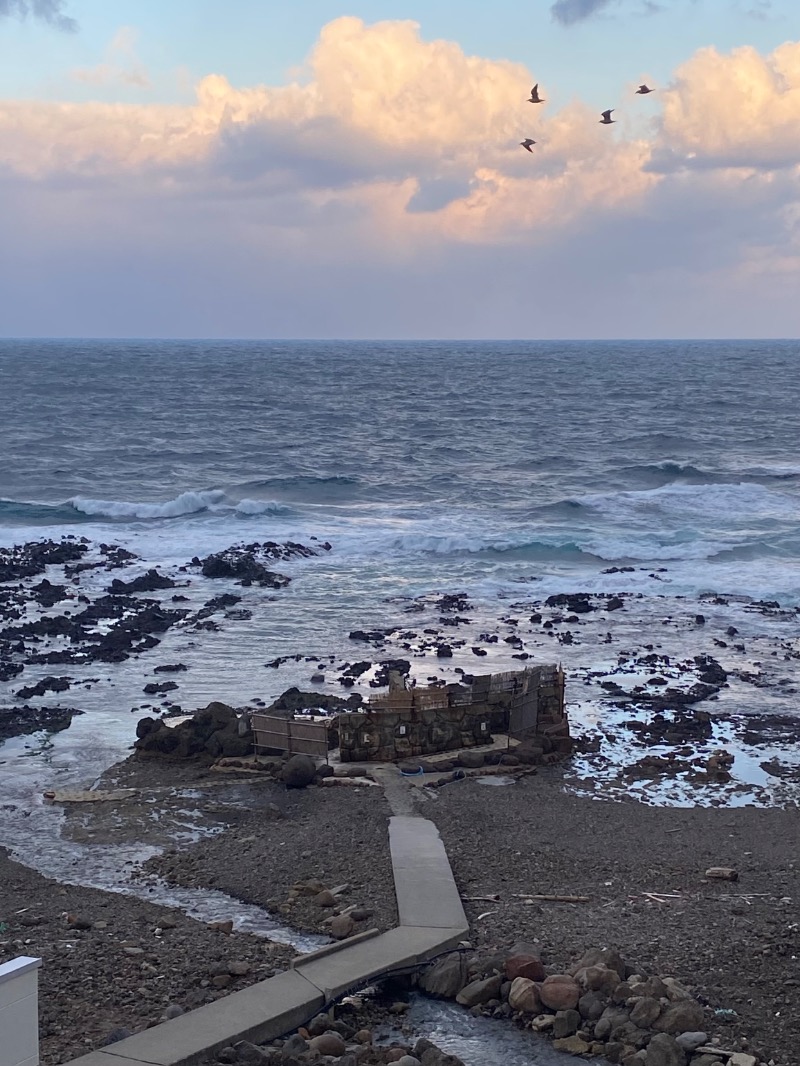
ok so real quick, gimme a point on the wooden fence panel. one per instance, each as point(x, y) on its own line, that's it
point(290, 735)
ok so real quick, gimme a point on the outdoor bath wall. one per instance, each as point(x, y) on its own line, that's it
point(19, 1012)
point(409, 722)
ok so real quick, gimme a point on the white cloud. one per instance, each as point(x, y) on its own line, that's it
point(121, 64)
point(740, 110)
point(397, 164)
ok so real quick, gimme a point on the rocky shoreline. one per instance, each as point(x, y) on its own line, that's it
point(637, 875)
point(658, 711)
point(657, 686)
point(599, 1008)
point(113, 964)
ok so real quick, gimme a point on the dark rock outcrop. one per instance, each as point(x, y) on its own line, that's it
point(216, 731)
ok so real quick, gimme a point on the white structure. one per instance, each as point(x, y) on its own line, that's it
point(19, 1012)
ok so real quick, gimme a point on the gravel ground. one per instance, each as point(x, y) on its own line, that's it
point(120, 973)
point(337, 835)
point(735, 944)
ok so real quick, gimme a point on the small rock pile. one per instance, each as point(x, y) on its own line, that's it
point(328, 1041)
point(312, 904)
point(599, 1007)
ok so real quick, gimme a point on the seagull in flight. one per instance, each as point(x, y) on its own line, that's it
point(535, 98)
point(606, 120)
point(643, 90)
point(526, 144)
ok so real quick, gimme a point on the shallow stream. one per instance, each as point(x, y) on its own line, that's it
point(479, 1041)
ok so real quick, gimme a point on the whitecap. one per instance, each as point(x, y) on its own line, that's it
point(186, 503)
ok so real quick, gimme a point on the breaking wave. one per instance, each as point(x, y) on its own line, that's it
point(85, 509)
point(187, 503)
point(733, 502)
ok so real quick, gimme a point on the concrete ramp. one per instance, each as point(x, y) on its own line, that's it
point(432, 920)
point(423, 881)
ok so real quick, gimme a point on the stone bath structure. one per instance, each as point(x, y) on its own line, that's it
point(527, 705)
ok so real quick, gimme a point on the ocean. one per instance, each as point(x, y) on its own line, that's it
point(425, 464)
point(504, 471)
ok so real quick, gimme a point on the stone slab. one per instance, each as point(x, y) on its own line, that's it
point(261, 1012)
point(345, 971)
point(424, 885)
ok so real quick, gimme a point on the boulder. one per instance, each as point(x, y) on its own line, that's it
point(295, 1045)
point(664, 1050)
point(591, 1005)
point(741, 1059)
point(692, 1041)
point(342, 926)
point(145, 726)
point(524, 996)
point(597, 978)
point(567, 1023)
point(609, 957)
point(685, 1016)
point(446, 977)
point(559, 992)
point(645, 1011)
point(471, 760)
point(675, 990)
point(478, 992)
point(325, 898)
point(573, 1045)
point(652, 986)
point(298, 771)
point(632, 1035)
point(610, 1020)
point(250, 1054)
point(328, 1044)
point(435, 1057)
point(524, 966)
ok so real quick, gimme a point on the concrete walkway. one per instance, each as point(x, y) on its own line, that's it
point(432, 920)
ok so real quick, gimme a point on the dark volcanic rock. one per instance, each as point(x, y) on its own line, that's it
point(709, 670)
point(28, 560)
point(387, 666)
point(244, 563)
point(242, 568)
point(170, 668)
point(9, 670)
point(152, 581)
point(214, 732)
point(293, 699)
point(47, 684)
point(21, 721)
point(49, 595)
point(577, 603)
point(156, 689)
point(673, 697)
point(298, 772)
point(371, 635)
point(454, 601)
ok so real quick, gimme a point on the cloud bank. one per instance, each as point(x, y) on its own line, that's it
point(569, 12)
point(51, 11)
point(387, 195)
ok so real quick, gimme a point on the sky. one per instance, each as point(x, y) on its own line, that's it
point(354, 170)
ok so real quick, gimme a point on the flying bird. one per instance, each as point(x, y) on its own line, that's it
point(526, 144)
point(643, 90)
point(535, 98)
point(606, 120)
